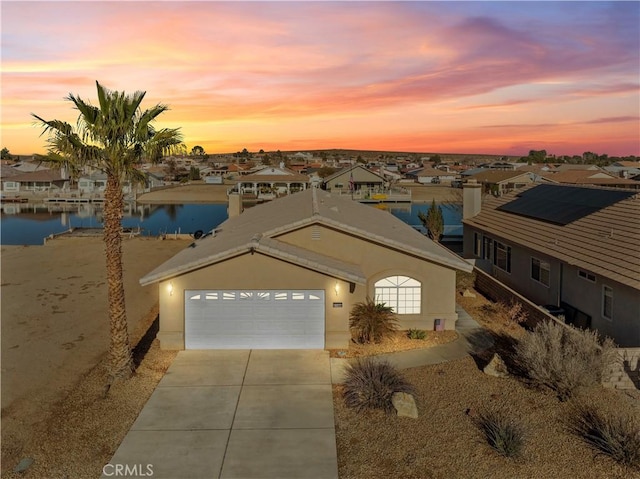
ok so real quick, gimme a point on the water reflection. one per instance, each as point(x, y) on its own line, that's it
point(25, 223)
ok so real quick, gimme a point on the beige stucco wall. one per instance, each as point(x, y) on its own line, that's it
point(377, 262)
point(252, 272)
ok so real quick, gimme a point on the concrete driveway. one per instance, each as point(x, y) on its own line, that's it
point(236, 414)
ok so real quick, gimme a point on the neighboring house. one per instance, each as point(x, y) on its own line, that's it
point(590, 177)
point(434, 175)
point(500, 182)
point(273, 180)
point(93, 183)
point(623, 171)
point(237, 169)
point(568, 246)
point(501, 165)
point(627, 164)
point(7, 173)
point(154, 179)
point(96, 183)
point(354, 178)
point(286, 274)
point(35, 181)
point(576, 167)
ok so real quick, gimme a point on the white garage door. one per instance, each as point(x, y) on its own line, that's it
point(254, 319)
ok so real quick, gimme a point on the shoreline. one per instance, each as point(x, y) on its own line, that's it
point(201, 193)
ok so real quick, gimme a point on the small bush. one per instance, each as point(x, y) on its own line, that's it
point(370, 384)
point(511, 313)
point(465, 280)
point(501, 430)
point(417, 334)
point(372, 322)
point(614, 432)
point(562, 358)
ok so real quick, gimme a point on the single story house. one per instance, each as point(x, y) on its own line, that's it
point(40, 180)
point(591, 177)
point(272, 180)
point(285, 275)
point(354, 178)
point(434, 175)
point(573, 247)
point(96, 183)
point(500, 182)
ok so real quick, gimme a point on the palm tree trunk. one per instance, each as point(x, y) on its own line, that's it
point(120, 359)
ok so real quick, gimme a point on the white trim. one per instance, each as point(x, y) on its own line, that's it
point(586, 275)
point(541, 267)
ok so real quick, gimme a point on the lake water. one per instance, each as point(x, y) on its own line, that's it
point(22, 224)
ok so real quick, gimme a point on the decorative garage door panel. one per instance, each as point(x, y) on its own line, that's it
point(254, 319)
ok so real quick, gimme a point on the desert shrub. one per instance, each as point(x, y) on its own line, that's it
point(562, 358)
point(417, 334)
point(506, 313)
point(371, 322)
point(465, 280)
point(502, 431)
point(370, 384)
point(611, 431)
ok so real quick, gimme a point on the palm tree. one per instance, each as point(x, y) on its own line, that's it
point(113, 138)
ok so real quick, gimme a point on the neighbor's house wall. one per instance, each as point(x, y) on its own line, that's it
point(519, 278)
point(587, 296)
point(11, 186)
point(377, 262)
point(429, 179)
point(566, 286)
point(256, 272)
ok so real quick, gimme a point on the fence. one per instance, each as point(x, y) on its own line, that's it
point(497, 291)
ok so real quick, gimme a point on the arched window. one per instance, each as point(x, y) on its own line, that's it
point(400, 293)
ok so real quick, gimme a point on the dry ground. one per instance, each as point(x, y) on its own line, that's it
point(202, 193)
point(55, 331)
point(443, 442)
point(398, 341)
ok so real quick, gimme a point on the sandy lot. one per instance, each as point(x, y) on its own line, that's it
point(54, 323)
point(201, 193)
point(193, 193)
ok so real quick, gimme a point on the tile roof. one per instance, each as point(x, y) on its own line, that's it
point(39, 175)
point(497, 176)
point(351, 168)
point(434, 172)
point(285, 175)
point(258, 228)
point(587, 177)
point(604, 242)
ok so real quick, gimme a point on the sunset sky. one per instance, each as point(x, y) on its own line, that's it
point(456, 77)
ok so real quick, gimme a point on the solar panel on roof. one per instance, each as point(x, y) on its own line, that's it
point(562, 205)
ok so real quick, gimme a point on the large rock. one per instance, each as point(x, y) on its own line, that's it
point(496, 367)
point(405, 405)
point(468, 294)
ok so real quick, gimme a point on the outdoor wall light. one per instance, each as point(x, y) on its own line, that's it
point(170, 288)
point(337, 288)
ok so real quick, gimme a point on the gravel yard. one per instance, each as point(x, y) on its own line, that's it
point(443, 443)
